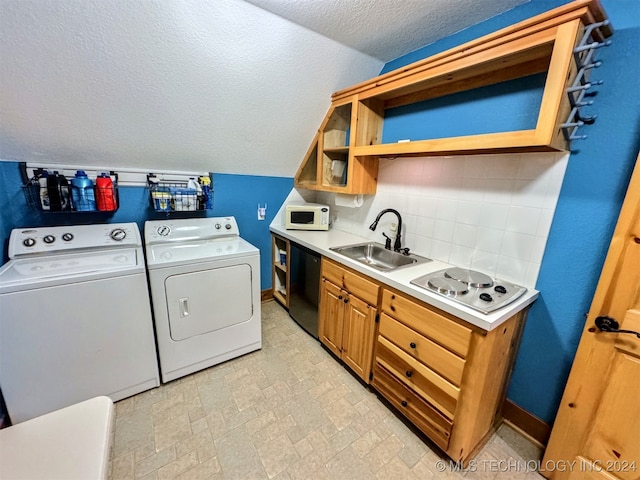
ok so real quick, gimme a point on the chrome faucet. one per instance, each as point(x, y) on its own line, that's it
point(397, 245)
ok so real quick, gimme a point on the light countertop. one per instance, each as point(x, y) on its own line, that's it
point(322, 241)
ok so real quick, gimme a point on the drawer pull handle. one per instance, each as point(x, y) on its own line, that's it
point(403, 403)
point(408, 373)
point(412, 345)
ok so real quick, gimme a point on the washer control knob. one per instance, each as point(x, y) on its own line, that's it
point(118, 234)
point(500, 289)
point(48, 239)
point(228, 226)
point(218, 226)
point(67, 237)
point(29, 242)
point(164, 230)
point(486, 297)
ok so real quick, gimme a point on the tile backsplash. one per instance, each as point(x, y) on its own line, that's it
point(487, 212)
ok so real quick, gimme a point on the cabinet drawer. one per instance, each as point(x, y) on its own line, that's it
point(431, 386)
point(437, 358)
point(446, 332)
point(352, 282)
point(427, 419)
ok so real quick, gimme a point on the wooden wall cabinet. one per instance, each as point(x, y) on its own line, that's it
point(280, 272)
point(352, 129)
point(447, 377)
point(347, 314)
point(330, 152)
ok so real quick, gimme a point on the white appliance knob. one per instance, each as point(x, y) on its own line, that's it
point(29, 242)
point(164, 230)
point(228, 226)
point(67, 237)
point(49, 239)
point(118, 234)
point(218, 226)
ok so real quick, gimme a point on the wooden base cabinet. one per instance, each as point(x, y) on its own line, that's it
point(347, 314)
point(447, 377)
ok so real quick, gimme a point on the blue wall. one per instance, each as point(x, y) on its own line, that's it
point(234, 195)
point(593, 190)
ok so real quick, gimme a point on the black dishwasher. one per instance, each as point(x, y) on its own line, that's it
point(305, 287)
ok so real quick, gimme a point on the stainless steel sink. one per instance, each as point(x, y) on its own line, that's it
point(376, 256)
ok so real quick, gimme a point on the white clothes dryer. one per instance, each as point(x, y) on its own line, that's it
point(75, 318)
point(205, 291)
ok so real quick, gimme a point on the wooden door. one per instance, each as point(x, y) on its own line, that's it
point(596, 434)
point(357, 337)
point(330, 324)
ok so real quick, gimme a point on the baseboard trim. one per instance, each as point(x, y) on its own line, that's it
point(266, 295)
point(528, 424)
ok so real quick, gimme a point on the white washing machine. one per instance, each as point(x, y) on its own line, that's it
point(75, 318)
point(205, 290)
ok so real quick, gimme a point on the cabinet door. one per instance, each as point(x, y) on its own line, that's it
point(331, 316)
point(357, 337)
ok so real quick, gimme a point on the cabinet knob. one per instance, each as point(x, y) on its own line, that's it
point(403, 403)
point(408, 373)
point(412, 345)
point(339, 297)
point(346, 300)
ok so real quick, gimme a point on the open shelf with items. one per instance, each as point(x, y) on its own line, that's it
point(188, 195)
point(545, 44)
point(329, 164)
point(335, 146)
point(63, 192)
point(281, 278)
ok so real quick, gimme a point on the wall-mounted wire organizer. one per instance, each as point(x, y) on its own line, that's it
point(581, 91)
point(180, 195)
point(71, 192)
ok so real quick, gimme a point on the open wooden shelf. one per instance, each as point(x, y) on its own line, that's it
point(543, 44)
point(280, 274)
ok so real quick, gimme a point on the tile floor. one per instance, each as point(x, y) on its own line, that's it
point(288, 411)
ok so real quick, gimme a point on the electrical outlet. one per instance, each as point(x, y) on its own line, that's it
point(262, 212)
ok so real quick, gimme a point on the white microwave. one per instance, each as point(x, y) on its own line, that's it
point(308, 216)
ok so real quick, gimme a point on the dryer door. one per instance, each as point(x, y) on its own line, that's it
point(208, 300)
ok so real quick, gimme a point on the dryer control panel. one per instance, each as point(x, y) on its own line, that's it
point(168, 231)
point(45, 240)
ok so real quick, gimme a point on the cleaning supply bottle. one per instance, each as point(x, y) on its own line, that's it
point(55, 196)
point(105, 193)
point(195, 199)
point(207, 199)
point(44, 191)
point(65, 195)
point(82, 192)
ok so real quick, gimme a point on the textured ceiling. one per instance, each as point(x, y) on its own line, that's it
point(386, 29)
point(205, 85)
